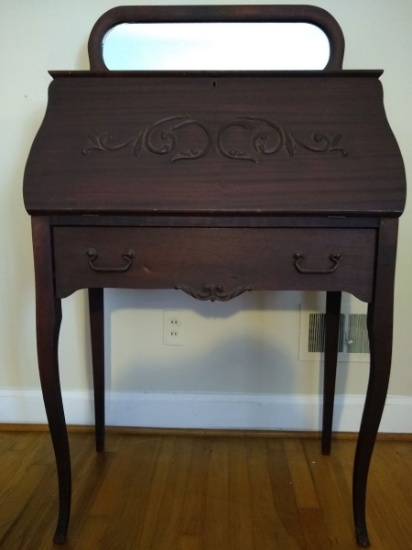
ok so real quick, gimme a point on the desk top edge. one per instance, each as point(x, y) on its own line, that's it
point(352, 73)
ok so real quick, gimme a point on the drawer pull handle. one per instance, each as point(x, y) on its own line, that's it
point(128, 256)
point(335, 258)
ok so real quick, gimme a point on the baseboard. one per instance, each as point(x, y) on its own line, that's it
point(207, 411)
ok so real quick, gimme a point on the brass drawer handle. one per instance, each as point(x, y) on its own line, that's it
point(128, 256)
point(335, 258)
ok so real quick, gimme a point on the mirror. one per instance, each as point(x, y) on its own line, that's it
point(215, 46)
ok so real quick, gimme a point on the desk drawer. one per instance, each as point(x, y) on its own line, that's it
point(215, 263)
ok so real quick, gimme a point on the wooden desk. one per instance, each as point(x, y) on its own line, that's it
point(216, 184)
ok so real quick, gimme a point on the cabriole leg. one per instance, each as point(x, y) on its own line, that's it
point(380, 328)
point(48, 319)
point(380, 338)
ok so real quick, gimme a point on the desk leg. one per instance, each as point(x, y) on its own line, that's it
point(96, 310)
point(48, 320)
point(380, 321)
point(333, 305)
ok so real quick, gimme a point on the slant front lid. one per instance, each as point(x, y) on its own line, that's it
point(281, 143)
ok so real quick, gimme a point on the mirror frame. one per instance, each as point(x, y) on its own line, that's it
point(224, 14)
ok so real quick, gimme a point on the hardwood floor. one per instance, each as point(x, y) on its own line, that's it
point(202, 491)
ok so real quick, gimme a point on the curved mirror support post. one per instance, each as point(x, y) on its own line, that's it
point(216, 46)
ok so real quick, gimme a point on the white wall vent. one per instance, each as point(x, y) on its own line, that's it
point(353, 336)
point(358, 340)
point(316, 333)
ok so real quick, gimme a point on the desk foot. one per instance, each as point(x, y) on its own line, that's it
point(326, 448)
point(100, 444)
point(362, 536)
point(60, 536)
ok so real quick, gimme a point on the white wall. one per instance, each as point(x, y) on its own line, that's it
point(239, 366)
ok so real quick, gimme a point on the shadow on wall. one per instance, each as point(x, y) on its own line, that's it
point(226, 344)
point(245, 350)
point(248, 346)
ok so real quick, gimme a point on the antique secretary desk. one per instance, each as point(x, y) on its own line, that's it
point(215, 183)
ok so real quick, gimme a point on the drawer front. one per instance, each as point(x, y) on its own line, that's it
point(215, 263)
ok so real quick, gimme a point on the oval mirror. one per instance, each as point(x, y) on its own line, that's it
point(216, 46)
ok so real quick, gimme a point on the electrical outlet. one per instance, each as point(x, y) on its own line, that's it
point(173, 328)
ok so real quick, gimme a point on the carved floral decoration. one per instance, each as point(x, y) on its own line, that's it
point(213, 292)
point(245, 138)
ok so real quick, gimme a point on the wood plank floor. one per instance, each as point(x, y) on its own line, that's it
point(167, 491)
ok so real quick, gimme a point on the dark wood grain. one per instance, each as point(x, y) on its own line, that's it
point(195, 144)
point(260, 259)
point(215, 184)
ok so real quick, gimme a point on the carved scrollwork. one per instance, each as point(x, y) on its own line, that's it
point(263, 137)
point(160, 139)
point(244, 138)
point(326, 144)
point(106, 142)
point(213, 292)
